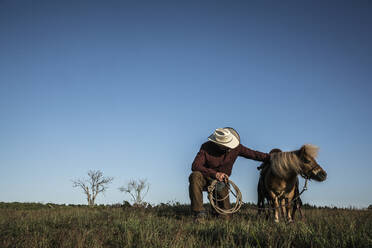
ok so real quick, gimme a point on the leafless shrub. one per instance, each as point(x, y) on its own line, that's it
point(95, 184)
point(137, 190)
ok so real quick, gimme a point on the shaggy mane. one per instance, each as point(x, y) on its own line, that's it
point(283, 164)
point(311, 150)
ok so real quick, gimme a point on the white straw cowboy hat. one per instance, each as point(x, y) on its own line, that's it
point(227, 137)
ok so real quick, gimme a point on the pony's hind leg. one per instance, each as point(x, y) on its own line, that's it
point(297, 203)
point(260, 197)
point(267, 210)
point(299, 207)
point(260, 203)
point(294, 209)
point(289, 210)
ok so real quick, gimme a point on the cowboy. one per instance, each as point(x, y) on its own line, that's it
point(215, 160)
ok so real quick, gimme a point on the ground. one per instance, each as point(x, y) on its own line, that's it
point(43, 225)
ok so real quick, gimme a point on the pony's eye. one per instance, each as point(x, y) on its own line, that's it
point(307, 161)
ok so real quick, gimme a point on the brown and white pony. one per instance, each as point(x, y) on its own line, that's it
point(278, 182)
point(262, 194)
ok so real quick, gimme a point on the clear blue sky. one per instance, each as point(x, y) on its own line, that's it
point(133, 88)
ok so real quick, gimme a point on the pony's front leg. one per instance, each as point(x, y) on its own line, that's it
point(283, 207)
point(275, 206)
point(276, 210)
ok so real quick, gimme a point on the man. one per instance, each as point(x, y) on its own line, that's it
point(215, 160)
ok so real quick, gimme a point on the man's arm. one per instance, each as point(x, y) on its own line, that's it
point(199, 165)
point(251, 154)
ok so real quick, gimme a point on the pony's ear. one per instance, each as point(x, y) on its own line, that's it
point(302, 151)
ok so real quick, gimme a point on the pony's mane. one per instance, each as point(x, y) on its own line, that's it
point(311, 150)
point(285, 163)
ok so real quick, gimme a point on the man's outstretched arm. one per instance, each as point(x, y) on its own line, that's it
point(251, 154)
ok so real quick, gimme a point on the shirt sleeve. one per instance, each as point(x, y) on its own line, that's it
point(251, 154)
point(199, 165)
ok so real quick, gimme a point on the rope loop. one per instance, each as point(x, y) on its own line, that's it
point(213, 199)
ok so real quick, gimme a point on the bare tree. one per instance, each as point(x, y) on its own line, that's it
point(95, 184)
point(137, 190)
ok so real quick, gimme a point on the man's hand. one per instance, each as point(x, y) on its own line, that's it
point(222, 177)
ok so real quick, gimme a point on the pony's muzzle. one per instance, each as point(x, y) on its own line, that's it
point(322, 175)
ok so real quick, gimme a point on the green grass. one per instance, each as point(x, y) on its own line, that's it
point(172, 226)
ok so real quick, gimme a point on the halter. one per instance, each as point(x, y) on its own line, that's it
point(306, 174)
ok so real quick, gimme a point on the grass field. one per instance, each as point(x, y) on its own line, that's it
point(38, 225)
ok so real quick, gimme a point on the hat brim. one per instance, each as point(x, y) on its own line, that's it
point(232, 144)
point(234, 132)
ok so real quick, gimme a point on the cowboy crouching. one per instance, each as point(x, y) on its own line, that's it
point(215, 160)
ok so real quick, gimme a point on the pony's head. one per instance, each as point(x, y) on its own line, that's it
point(310, 168)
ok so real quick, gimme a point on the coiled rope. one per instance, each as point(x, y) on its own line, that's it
point(214, 200)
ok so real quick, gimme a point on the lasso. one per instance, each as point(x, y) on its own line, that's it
point(213, 199)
